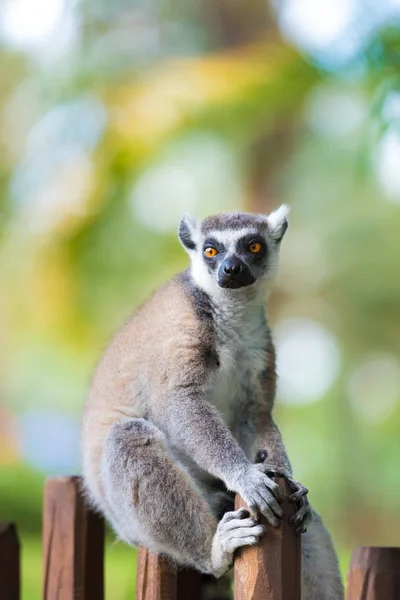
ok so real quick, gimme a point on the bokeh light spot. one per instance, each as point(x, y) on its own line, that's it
point(333, 112)
point(374, 387)
point(388, 164)
point(196, 175)
point(50, 441)
point(308, 360)
point(38, 26)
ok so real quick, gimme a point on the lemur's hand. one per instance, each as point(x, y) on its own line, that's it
point(298, 495)
point(261, 493)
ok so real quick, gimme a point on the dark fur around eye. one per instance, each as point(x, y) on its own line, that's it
point(244, 243)
point(211, 242)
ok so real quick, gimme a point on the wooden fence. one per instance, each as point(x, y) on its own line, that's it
point(73, 560)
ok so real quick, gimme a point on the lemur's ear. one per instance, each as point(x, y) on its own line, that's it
point(277, 222)
point(188, 232)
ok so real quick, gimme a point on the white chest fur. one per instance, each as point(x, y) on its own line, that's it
point(242, 354)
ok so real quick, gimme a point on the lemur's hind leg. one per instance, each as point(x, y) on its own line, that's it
point(152, 501)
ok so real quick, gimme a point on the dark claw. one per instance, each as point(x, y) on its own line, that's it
point(302, 528)
point(303, 515)
point(298, 517)
point(298, 495)
point(302, 518)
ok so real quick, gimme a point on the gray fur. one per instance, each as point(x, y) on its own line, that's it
point(180, 407)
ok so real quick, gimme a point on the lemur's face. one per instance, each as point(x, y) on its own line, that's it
point(235, 259)
point(233, 250)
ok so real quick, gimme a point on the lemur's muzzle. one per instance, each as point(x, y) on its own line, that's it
point(234, 273)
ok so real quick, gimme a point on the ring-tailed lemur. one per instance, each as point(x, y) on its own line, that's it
point(179, 413)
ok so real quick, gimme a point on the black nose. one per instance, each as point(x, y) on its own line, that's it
point(232, 267)
point(234, 273)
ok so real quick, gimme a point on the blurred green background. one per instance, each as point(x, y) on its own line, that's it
point(115, 118)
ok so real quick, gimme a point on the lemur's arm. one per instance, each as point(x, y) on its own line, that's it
point(262, 442)
point(255, 428)
point(194, 426)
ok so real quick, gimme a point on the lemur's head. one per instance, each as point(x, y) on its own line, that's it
point(233, 250)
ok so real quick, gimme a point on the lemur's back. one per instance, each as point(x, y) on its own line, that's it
point(143, 361)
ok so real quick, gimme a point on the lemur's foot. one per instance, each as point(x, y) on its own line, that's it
point(234, 530)
point(298, 495)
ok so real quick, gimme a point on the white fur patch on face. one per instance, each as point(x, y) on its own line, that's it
point(201, 275)
point(230, 237)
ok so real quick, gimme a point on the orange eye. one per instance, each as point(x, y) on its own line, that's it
point(255, 247)
point(210, 252)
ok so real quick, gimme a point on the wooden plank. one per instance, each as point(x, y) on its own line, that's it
point(159, 579)
point(9, 562)
point(374, 574)
point(73, 544)
point(271, 570)
point(156, 577)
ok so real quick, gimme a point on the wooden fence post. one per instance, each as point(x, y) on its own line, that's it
point(9, 562)
point(158, 578)
point(374, 574)
point(271, 570)
point(73, 543)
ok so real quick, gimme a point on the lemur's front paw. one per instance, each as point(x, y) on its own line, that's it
point(261, 493)
point(298, 495)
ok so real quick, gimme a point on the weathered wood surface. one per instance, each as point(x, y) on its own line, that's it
point(156, 577)
point(73, 544)
point(374, 574)
point(9, 562)
point(271, 570)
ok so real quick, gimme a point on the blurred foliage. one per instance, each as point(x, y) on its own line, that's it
point(146, 110)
